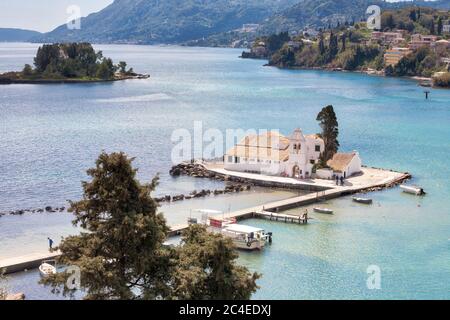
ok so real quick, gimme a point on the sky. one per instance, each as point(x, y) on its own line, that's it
point(43, 15)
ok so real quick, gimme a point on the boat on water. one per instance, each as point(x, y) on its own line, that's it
point(247, 237)
point(323, 210)
point(47, 268)
point(418, 191)
point(363, 200)
point(244, 237)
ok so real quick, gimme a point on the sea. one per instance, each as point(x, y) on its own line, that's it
point(398, 248)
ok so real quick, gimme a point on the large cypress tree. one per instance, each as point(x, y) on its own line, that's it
point(120, 253)
point(330, 132)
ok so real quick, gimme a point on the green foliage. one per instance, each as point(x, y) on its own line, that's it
point(70, 60)
point(121, 253)
point(330, 132)
point(414, 20)
point(106, 69)
point(27, 70)
point(442, 80)
point(207, 269)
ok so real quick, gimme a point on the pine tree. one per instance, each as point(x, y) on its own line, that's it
point(321, 45)
point(440, 26)
point(120, 253)
point(432, 27)
point(330, 132)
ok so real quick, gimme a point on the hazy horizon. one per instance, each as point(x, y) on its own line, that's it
point(43, 15)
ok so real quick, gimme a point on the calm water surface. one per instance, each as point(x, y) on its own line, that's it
point(49, 136)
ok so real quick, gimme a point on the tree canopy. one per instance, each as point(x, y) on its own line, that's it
point(72, 60)
point(121, 252)
point(207, 270)
point(330, 132)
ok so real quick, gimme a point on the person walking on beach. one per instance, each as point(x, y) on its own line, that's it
point(50, 244)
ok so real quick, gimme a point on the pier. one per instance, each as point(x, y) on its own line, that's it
point(26, 262)
point(371, 179)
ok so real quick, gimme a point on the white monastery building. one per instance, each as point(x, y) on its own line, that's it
point(273, 154)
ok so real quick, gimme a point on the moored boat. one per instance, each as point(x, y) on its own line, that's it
point(363, 200)
point(47, 268)
point(244, 237)
point(247, 237)
point(412, 190)
point(323, 210)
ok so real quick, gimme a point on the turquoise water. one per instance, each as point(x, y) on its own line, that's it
point(49, 135)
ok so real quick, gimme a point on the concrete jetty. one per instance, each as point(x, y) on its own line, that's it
point(26, 262)
point(369, 180)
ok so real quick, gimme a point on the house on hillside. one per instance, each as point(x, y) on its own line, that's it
point(418, 40)
point(394, 55)
point(274, 154)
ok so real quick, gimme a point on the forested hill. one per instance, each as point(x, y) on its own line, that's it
point(17, 35)
point(321, 13)
point(168, 21)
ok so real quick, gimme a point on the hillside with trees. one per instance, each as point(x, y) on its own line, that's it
point(349, 46)
point(71, 62)
point(169, 21)
point(323, 13)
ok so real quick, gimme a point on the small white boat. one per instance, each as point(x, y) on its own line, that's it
point(323, 210)
point(363, 200)
point(47, 268)
point(418, 191)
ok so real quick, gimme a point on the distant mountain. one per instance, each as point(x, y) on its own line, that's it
point(168, 21)
point(320, 13)
point(17, 35)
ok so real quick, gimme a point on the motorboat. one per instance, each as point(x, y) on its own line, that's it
point(363, 200)
point(47, 268)
point(323, 210)
point(244, 237)
point(418, 191)
point(247, 237)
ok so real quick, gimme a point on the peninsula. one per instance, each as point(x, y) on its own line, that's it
point(412, 42)
point(70, 63)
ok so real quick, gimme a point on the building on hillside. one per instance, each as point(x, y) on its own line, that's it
point(294, 44)
point(394, 55)
point(444, 44)
point(345, 164)
point(418, 40)
point(446, 27)
point(274, 154)
point(310, 32)
point(388, 38)
point(250, 27)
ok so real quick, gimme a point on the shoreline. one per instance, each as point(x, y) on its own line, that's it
point(9, 81)
point(421, 81)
